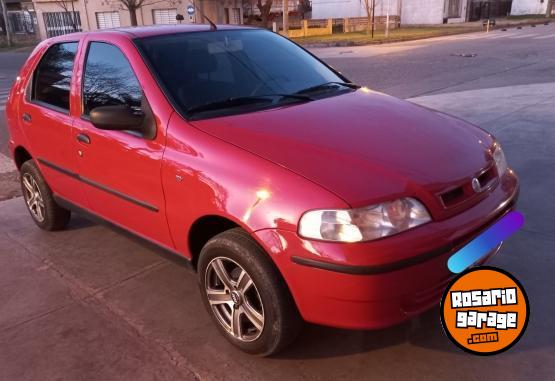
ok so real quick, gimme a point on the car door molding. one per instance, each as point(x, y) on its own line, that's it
point(102, 187)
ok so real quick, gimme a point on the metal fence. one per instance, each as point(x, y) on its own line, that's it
point(22, 22)
point(59, 23)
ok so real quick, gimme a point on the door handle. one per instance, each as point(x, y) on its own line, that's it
point(83, 138)
point(26, 117)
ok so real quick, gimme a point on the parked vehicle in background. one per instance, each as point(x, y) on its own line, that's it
point(295, 194)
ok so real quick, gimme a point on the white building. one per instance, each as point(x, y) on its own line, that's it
point(323, 9)
point(412, 12)
point(529, 7)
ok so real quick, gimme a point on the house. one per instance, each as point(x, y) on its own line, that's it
point(416, 12)
point(56, 17)
point(530, 7)
point(21, 20)
point(323, 9)
point(412, 12)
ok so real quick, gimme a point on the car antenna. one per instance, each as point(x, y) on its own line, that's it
point(213, 26)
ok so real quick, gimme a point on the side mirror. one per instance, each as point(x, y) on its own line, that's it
point(118, 118)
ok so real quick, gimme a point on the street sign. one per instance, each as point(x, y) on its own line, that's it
point(191, 10)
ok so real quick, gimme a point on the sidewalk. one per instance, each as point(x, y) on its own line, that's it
point(9, 179)
point(414, 33)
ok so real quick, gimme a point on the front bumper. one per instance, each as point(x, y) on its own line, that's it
point(381, 283)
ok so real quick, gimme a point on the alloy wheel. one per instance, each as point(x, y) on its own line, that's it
point(33, 197)
point(234, 299)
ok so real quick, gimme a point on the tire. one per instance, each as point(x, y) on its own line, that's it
point(43, 209)
point(268, 294)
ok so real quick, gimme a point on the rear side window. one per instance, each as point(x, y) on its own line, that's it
point(109, 79)
point(52, 78)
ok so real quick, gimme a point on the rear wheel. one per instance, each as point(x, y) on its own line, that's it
point(245, 294)
point(38, 198)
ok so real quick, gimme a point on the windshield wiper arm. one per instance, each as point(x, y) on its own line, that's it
point(328, 85)
point(244, 101)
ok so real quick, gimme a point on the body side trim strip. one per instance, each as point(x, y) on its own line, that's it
point(97, 185)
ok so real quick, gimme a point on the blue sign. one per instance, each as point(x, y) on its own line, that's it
point(485, 242)
point(191, 10)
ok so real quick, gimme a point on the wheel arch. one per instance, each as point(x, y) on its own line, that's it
point(208, 226)
point(21, 155)
point(203, 230)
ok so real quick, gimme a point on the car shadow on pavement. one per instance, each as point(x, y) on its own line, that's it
point(77, 223)
point(317, 342)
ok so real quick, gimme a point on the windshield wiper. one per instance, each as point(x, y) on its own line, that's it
point(245, 101)
point(328, 86)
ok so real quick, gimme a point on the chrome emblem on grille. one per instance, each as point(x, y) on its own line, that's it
point(476, 186)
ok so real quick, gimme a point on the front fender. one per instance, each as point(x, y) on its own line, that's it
point(203, 175)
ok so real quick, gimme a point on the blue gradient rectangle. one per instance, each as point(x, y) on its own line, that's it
point(485, 242)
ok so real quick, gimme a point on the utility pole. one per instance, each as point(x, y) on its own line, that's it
point(286, 17)
point(387, 19)
point(6, 23)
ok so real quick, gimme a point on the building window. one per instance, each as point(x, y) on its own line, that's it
point(22, 22)
point(59, 23)
point(164, 16)
point(106, 20)
point(233, 16)
point(454, 9)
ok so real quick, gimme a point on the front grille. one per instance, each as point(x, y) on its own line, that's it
point(465, 191)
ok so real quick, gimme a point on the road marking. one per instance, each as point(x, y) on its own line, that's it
point(524, 35)
point(6, 164)
point(546, 36)
point(500, 35)
point(466, 37)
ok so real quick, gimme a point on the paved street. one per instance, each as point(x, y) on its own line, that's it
point(90, 303)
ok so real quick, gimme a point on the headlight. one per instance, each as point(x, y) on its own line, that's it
point(500, 160)
point(363, 224)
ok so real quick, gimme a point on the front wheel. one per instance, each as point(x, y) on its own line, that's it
point(245, 295)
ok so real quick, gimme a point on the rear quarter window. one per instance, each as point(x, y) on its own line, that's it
point(52, 77)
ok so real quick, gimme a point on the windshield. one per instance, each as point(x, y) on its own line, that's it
point(216, 73)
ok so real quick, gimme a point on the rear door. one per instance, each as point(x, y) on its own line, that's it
point(46, 119)
point(120, 170)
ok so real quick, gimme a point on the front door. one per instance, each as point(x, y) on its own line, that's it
point(120, 170)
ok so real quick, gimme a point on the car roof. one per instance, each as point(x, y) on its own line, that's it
point(148, 31)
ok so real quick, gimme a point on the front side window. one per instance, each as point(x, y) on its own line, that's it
point(109, 79)
point(52, 78)
point(237, 69)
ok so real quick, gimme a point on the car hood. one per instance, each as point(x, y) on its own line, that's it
point(364, 146)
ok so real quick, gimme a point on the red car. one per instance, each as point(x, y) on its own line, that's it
point(295, 194)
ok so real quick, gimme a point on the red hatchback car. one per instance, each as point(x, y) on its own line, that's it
point(295, 194)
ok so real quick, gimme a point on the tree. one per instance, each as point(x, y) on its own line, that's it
point(549, 8)
point(265, 10)
point(304, 7)
point(369, 8)
point(132, 6)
